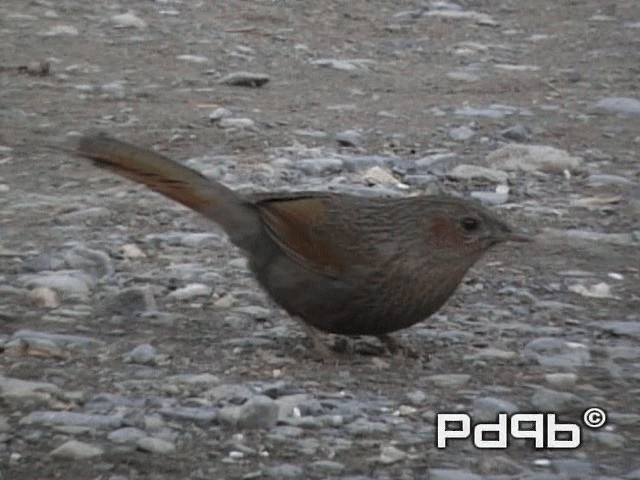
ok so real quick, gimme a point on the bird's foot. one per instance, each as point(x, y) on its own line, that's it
point(394, 347)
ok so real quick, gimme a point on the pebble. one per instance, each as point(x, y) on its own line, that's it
point(27, 390)
point(518, 133)
point(235, 123)
point(144, 354)
point(76, 450)
point(44, 297)
point(193, 58)
point(467, 172)
point(449, 380)
point(462, 133)
point(129, 301)
point(545, 400)
point(620, 327)
point(73, 419)
point(492, 111)
point(621, 239)
point(155, 445)
point(245, 79)
point(561, 379)
point(531, 158)
point(59, 339)
point(93, 262)
point(259, 412)
point(190, 291)
point(486, 409)
point(132, 251)
point(349, 138)
point(128, 20)
point(379, 176)
point(74, 284)
point(325, 467)
point(620, 105)
point(126, 435)
point(558, 353)
point(285, 470)
point(220, 113)
point(320, 166)
point(451, 474)
point(390, 455)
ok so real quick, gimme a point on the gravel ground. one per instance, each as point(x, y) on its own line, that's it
point(134, 344)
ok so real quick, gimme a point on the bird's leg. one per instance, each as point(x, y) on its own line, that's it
point(393, 346)
point(318, 348)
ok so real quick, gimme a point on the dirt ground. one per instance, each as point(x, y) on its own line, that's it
point(549, 61)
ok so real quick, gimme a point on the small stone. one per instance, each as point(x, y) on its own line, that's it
point(126, 435)
point(390, 455)
point(59, 339)
point(285, 470)
point(621, 105)
point(467, 172)
point(245, 79)
point(155, 445)
point(193, 58)
point(71, 283)
point(219, 114)
point(326, 467)
point(27, 390)
point(76, 450)
point(610, 440)
point(128, 20)
point(319, 166)
point(62, 30)
point(72, 419)
point(144, 354)
point(462, 134)
point(132, 251)
point(449, 380)
point(259, 412)
point(45, 297)
point(599, 290)
point(486, 409)
point(349, 138)
point(530, 158)
point(190, 291)
point(545, 400)
point(561, 380)
point(129, 301)
point(417, 397)
point(237, 123)
point(379, 176)
point(555, 352)
point(518, 133)
point(451, 474)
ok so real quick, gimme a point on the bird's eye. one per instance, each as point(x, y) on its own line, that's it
point(470, 224)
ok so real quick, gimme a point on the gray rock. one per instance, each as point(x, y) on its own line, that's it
point(92, 420)
point(75, 450)
point(622, 239)
point(620, 105)
point(573, 468)
point(245, 79)
point(128, 20)
point(498, 197)
point(492, 111)
point(126, 435)
point(349, 138)
point(325, 467)
point(285, 470)
point(449, 380)
point(467, 172)
point(362, 427)
point(486, 409)
point(619, 327)
point(416, 397)
point(601, 179)
point(72, 283)
point(390, 455)
point(610, 440)
point(193, 290)
point(144, 354)
point(259, 412)
point(531, 158)
point(451, 474)
point(155, 445)
point(26, 391)
point(129, 301)
point(229, 393)
point(185, 239)
point(236, 123)
point(219, 113)
point(518, 133)
point(320, 166)
point(194, 414)
point(462, 133)
point(545, 400)
point(85, 215)
point(94, 262)
point(558, 353)
point(59, 339)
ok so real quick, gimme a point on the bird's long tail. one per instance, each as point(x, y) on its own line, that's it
point(237, 216)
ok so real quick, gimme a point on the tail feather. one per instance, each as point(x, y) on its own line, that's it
point(208, 197)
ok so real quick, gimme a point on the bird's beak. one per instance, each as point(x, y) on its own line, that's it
point(517, 236)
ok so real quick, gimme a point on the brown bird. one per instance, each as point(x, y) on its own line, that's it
point(343, 264)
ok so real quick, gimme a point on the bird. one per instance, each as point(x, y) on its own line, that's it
point(339, 263)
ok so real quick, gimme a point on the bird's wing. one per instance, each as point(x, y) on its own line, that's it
point(302, 226)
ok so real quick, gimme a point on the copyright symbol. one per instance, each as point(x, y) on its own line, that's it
point(594, 417)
